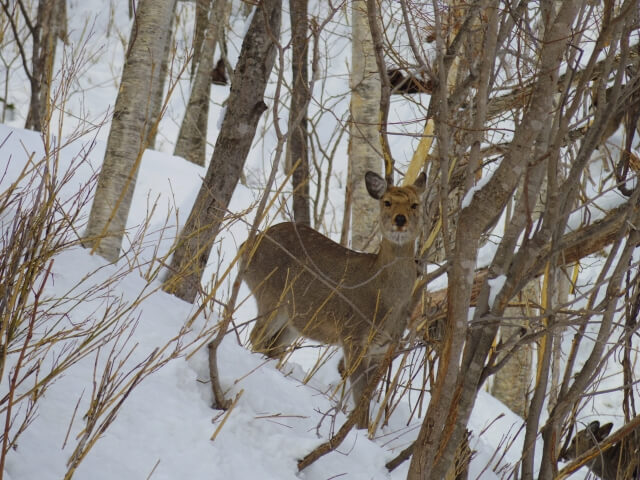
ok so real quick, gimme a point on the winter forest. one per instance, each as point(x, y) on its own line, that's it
point(308, 239)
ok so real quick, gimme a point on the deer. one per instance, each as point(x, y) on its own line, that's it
point(307, 285)
point(619, 462)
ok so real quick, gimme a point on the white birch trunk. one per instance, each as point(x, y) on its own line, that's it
point(364, 143)
point(130, 127)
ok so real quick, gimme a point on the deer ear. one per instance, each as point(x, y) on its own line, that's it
point(376, 185)
point(599, 432)
point(603, 431)
point(594, 427)
point(420, 182)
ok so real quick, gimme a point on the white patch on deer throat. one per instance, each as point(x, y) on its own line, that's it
point(399, 237)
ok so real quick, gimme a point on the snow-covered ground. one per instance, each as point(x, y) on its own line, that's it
point(165, 427)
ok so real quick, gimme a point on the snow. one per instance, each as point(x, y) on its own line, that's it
point(165, 427)
point(466, 201)
point(495, 286)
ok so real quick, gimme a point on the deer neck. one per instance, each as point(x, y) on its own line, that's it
point(606, 464)
point(396, 262)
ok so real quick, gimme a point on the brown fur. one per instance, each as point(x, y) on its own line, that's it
point(307, 285)
point(615, 463)
point(219, 73)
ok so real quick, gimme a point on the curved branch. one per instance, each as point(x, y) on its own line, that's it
point(14, 29)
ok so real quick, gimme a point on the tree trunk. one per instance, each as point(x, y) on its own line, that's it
point(158, 99)
point(51, 23)
point(203, 11)
point(512, 383)
point(192, 139)
point(562, 297)
point(130, 127)
point(297, 146)
point(244, 108)
point(460, 372)
point(364, 141)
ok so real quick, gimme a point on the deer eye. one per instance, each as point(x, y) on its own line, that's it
point(387, 203)
point(414, 206)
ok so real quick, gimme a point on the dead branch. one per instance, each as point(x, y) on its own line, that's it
point(573, 246)
point(335, 441)
point(519, 97)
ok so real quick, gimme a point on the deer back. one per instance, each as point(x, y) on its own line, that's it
point(330, 293)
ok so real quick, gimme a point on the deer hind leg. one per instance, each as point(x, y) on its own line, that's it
point(272, 334)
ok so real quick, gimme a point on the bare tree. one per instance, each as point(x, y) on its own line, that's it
point(157, 101)
point(535, 153)
point(244, 108)
point(201, 24)
point(192, 138)
point(49, 25)
point(297, 157)
point(130, 128)
point(534, 119)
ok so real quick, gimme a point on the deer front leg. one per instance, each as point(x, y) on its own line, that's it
point(361, 371)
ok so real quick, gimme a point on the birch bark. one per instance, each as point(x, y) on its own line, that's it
point(364, 141)
point(130, 127)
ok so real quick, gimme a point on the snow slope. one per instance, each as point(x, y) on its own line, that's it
point(165, 425)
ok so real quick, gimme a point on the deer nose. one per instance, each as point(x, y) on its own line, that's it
point(400, 220)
